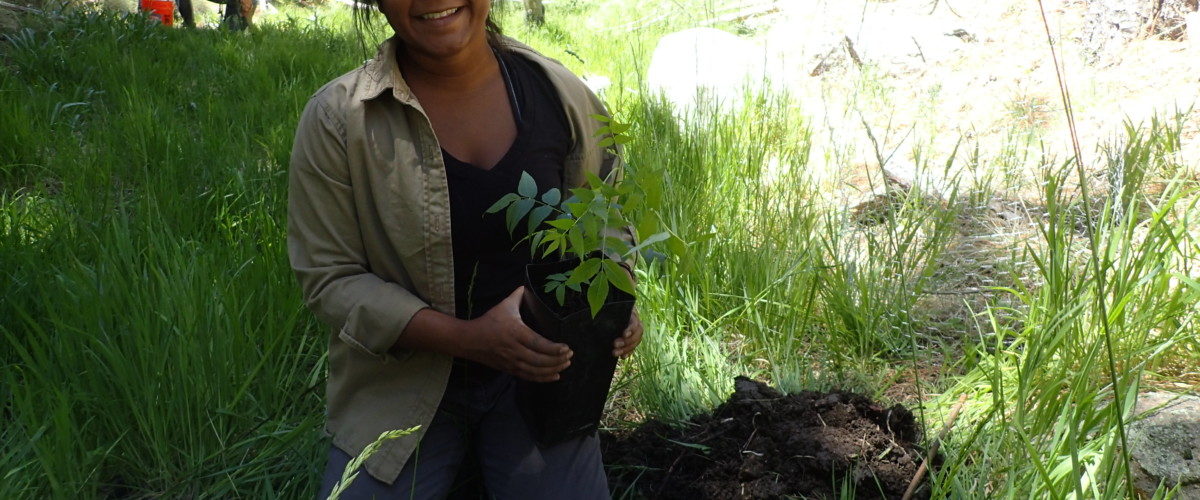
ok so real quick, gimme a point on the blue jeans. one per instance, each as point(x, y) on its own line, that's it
point(480, 417)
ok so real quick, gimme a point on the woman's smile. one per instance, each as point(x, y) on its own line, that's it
point(441, 19)
point(433, 16)
point(437, 28)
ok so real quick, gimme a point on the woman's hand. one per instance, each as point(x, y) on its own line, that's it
point(500, 339)
point(629, 340)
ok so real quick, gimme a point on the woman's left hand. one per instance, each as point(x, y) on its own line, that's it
point(631, 338)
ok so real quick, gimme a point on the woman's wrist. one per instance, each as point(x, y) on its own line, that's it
point(463, 337)
point(433, 331)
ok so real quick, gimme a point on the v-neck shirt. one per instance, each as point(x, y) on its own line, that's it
point(489, 261)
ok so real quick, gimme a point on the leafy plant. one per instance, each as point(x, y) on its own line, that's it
point(585, 225)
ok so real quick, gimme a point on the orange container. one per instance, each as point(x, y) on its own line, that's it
point(163, 10)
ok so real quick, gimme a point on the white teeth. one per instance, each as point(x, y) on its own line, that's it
point(439, 15)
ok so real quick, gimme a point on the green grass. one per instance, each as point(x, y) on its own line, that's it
point(153, 338)
point(153, 341)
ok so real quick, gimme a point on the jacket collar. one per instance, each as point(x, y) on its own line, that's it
point(383, 73)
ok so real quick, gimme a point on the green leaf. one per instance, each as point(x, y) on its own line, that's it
point(561, 295)
point(575, 242)
point(601, 118)
point(616, 244)
point(646, 225)
point(527, 187)
point(623, 139)
point(562, 224)
point(677, 246)
point(619, 128)
point(597, 292)
point(582, 195)
point(584, 271)
point(504, 201)
point(576, 209)
point(593, 180)
point(536, 241)
point(516, 212)
point(551, 285)
point(606, 142)
point(538, 215)
point(552, 197)
point(633, 202)
point(614, 214)
point(618, 276)
point(651, 240)
point(591, 225)
point(550, 248)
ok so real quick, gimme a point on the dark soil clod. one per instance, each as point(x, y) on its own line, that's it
point(764, 444)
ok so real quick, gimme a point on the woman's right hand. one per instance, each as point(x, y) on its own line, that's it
point(500, 339)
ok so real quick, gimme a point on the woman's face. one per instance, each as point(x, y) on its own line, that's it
point(437, 28)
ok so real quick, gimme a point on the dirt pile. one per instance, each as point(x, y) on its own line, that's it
point(763, 444)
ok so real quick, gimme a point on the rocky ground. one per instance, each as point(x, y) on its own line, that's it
point(936, 74)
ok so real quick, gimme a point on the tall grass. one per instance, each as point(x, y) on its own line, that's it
point(1042, 391)
point(151, 338)
point(153, 343)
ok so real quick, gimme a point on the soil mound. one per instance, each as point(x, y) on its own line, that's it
point(764, 444)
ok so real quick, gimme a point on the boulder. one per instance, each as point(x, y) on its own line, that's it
point(1165, 444)
point(703, 67)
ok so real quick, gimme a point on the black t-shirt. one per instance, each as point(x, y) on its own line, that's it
point(487, 265)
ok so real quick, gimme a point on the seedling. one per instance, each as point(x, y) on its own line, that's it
point(583, 226)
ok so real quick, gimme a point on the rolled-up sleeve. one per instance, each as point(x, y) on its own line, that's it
point(325, 245)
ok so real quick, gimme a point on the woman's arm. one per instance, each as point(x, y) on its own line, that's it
point(498, 339)
point(325, 247)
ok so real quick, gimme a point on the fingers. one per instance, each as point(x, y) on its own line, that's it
point(630, 338)
point(543, 365)
point(515, 296)
point(537, 359)
point(542, 345)
point(539, 374)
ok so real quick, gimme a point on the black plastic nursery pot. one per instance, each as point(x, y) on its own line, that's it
point(571, 406)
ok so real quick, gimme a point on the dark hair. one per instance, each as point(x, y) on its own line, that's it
point(365, 9)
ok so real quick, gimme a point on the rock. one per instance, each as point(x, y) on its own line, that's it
point(1110, 24)
point(1165, 445)
point(700, 67)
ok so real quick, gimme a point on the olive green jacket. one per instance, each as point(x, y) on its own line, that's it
point(369, 241)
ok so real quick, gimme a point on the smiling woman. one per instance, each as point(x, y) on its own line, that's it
point(424, 321)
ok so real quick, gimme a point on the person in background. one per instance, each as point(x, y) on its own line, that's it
point(392, 170)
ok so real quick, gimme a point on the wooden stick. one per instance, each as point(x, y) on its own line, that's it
point(933, 448)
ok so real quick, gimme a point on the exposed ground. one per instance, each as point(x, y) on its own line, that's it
point(975, 72)
point(763, 444)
